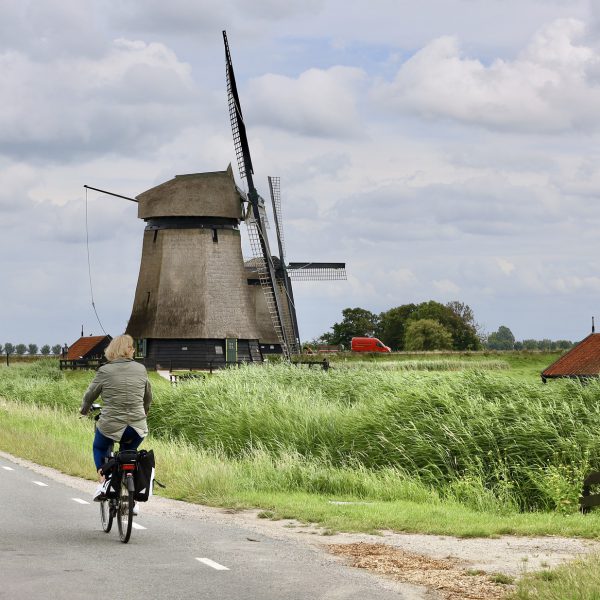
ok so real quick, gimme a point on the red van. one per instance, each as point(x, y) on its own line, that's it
point(368, 344)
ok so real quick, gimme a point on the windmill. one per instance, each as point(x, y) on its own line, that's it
point(273, 274)
point(191, 302)
point(193, 305)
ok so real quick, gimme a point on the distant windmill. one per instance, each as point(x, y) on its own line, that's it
point(273, 274)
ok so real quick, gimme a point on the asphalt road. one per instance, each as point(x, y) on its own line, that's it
point(52, 547)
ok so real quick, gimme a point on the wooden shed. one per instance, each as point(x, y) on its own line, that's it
point(86, 352)
point(581, 362)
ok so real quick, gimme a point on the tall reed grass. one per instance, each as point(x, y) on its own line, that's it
point(493, 442)
point(426, 365)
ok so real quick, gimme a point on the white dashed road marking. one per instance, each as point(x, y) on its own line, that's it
point(40, 483)
point(79, 501)
point(8, 468)
point(137, 526)
point(212, 563)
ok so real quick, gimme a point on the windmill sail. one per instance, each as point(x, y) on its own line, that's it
point(256, 223)
point(316, 271)
point(290, 321)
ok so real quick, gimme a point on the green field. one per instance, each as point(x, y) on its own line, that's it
point(478, 430)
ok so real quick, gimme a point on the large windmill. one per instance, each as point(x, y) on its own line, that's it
point(197, 303)
point(274, 275)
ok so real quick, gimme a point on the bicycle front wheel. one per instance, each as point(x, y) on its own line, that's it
point(125, 511)
point(106, 515)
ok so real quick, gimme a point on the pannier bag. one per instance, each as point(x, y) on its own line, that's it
point(111, 477)
point(143, 475)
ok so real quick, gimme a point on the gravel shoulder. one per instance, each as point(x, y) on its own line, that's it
point(508, 555)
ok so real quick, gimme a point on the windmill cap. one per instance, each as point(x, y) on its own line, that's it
point(212, 194)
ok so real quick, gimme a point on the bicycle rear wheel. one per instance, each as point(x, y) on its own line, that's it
point(106, 515)
point(125, 511)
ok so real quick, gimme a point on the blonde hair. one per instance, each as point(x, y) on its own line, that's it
point(120, 347)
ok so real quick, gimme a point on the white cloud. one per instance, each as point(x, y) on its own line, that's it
point(51, 29)
point(446, 287)
point(505, 266)
point(14, 179)
point(549, 87)
point(205, 16)
point(134, 97)
point(317, 103)
point(572, 284)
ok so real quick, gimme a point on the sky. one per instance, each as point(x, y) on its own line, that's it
point(444, 149)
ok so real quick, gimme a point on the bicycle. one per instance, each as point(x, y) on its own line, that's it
point(119, 501)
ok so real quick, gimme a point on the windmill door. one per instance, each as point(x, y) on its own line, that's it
point(231, 350)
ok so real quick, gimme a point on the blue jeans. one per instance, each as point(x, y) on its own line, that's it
point(130, 440)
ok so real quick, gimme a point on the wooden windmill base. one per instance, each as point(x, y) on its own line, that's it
point(198, 353)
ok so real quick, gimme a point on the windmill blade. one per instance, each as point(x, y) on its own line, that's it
point(316, 271)
point(238, 128)
point(291, 321)
point(256, 223)
point(275, 189)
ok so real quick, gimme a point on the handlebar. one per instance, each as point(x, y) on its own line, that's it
point(95, 411)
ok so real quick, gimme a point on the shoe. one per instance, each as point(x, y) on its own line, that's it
point(136, 511)
point(100, 493)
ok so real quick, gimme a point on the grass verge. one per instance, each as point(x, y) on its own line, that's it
point(579, 580)
point(278, 485)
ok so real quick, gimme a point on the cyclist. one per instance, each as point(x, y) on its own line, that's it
point(127, 395)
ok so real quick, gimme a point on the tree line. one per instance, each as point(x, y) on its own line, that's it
point(30, 349)
point(429, 326)
point(425, 326)
point(503, 339)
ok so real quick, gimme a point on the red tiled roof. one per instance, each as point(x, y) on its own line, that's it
point(84, 346)
point(582, 360)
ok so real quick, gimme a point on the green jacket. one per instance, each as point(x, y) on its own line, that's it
point(126, 393)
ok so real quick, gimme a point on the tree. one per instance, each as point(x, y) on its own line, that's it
point(464, 311)
point(392, 325)
point(564, 344)
point(530, 344)
point(466, 314)
point(32, 349)
point(20, 349)
point(427, 334)
point(45, 350)
point(56, 349)
point(545, 344)
point(356, 322)
point(464, 335)
point(503, 339)
point(9, 348)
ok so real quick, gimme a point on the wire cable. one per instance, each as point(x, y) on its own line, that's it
point(87, 244)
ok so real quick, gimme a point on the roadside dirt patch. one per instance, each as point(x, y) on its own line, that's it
point(449, 577)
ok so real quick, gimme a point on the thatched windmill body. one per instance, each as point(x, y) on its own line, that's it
point(191, 301)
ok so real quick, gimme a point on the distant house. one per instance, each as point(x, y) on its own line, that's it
point(86, 352)
point(581, 362)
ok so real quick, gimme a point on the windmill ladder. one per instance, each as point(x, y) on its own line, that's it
point(265, 282)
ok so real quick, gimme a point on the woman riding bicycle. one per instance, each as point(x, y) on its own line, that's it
point(127, 395)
